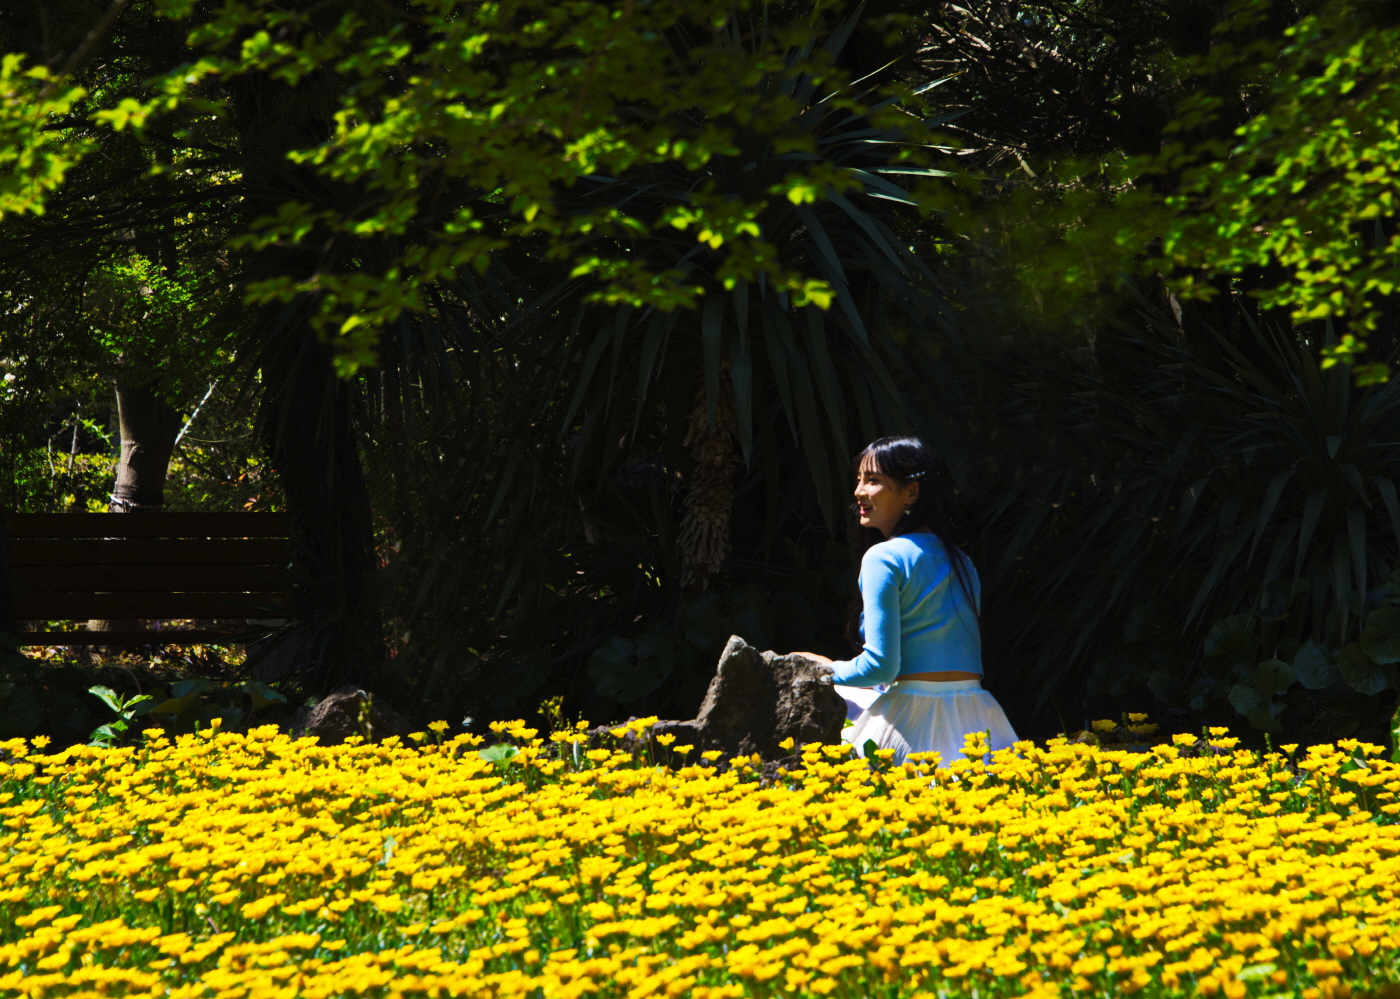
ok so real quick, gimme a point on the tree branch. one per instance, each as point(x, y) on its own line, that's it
point(83, 50)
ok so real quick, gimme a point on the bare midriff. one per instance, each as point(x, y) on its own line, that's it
point(948, 676)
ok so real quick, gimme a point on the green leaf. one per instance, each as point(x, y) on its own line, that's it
point(1233, 637)
point(1386, 620)
point(1246, 699)
point(1257, 707)
point(1360, 673)
point(1379, 647)
point(1275, 677)
point(601, 339)
point(107, 696)
point(653, 344)
point(106, 735)
point(500, 754)
point(1254, 972)
point(262, 695)
point(193, 685)
point(1392, 502)
point(176, 705)
point(1313, 666)
point(1266, 510)
point(628, 672)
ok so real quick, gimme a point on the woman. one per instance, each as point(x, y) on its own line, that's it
point(916, 618)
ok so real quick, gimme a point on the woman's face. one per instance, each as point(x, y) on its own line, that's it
point(880, 501)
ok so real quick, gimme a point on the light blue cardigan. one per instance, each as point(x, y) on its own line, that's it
point(917, 618)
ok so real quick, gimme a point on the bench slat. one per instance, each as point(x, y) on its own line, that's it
point(32, 638)
point(149, 525)
point(135, 578)
point(238, 551)
point(115, 606)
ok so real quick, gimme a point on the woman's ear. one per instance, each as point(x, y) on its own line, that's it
point(913, 488)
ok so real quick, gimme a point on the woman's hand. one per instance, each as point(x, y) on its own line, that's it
point(812, 655)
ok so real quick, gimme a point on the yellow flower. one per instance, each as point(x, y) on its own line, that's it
point(40, 915)
point(261, 907)
point(1058, 866)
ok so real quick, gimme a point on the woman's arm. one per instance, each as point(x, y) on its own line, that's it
point(880, 584)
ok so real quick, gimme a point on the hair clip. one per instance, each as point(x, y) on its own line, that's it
point(913, 476)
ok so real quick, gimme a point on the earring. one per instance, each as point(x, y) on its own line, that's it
point(908, 510)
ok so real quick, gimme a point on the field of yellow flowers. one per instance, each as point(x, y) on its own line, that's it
point(231, 866)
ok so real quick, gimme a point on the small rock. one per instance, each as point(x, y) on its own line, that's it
point(346, 712)
point(759, 699)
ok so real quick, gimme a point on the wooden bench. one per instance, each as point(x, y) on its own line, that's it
point(146, 566)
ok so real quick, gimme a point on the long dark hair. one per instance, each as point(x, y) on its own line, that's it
point(906, 460)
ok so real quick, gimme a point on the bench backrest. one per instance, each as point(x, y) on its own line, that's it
point(154, 566)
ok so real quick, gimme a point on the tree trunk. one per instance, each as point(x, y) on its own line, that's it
point(305, 409)
point(148, 426)
point(148, 429)
point(703, 539)
point(310, 436)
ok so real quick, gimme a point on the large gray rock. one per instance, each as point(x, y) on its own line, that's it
point(759, 699)
point(346, 712)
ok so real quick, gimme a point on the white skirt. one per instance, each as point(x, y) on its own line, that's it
point(922, 716)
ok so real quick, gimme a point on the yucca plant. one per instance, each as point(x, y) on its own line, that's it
point(754, 392)
point(1230, 508)
point(825, 194)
